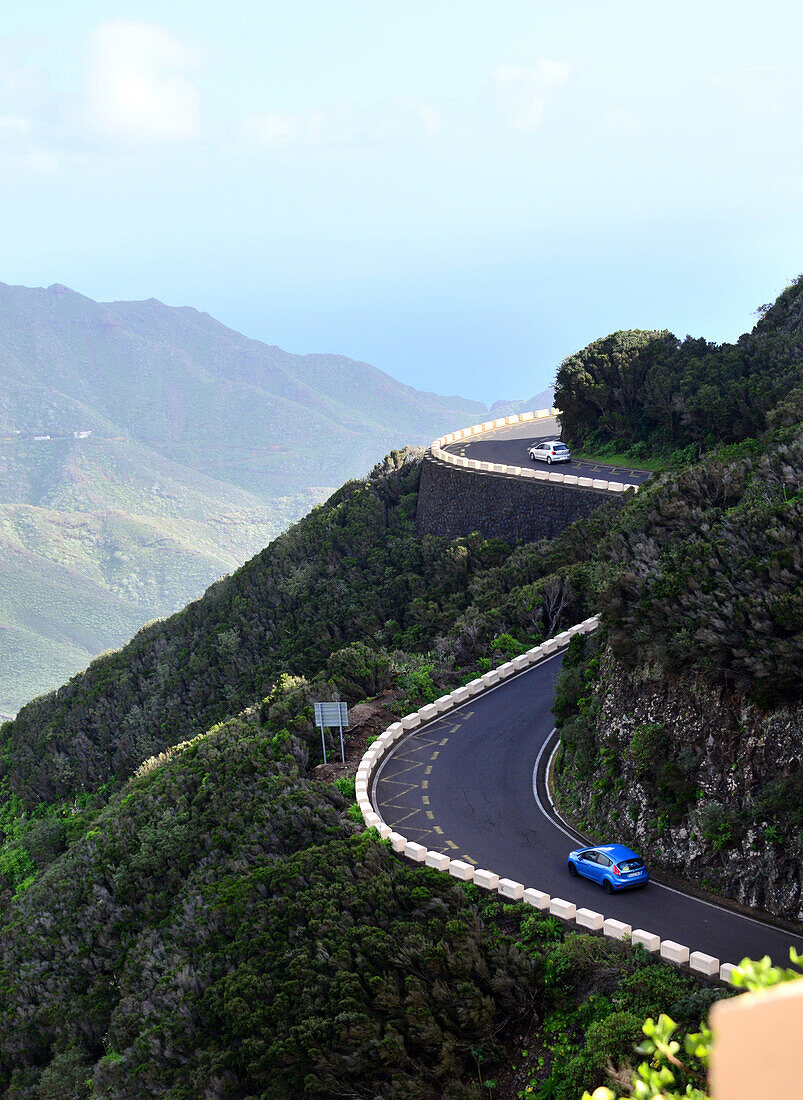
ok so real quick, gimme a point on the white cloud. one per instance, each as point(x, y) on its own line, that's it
point(282, 128)
point(409, 116)
point(137, 86)
point(523, 91)
point(343, 123)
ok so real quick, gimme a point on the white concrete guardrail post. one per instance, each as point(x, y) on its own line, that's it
point(565, 910)
point(438, 452)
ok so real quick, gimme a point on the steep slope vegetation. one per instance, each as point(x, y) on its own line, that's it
point(352, 571)
point(213, 926)
point(222, 930)
point(281, 954)
point(682, 733)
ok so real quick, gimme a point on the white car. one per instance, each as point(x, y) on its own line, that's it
point(550, 451)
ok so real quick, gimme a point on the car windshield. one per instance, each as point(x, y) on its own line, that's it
point(631, 864)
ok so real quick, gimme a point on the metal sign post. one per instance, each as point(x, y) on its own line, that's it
point(332, 714)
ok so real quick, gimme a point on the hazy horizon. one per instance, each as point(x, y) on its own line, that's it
point(460, 199)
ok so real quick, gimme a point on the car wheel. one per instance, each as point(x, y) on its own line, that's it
point(549, 460)
point(572, 870)
point(607, 886)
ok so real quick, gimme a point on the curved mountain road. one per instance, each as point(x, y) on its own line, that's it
point(466, 785)
point(508, 446)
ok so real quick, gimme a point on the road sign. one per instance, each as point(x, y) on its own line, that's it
point(332, 714)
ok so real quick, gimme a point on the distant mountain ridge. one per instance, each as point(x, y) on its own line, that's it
point(543, 400)
point(146, 449)
point(203, 395)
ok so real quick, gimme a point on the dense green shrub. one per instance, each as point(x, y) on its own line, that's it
point(222, 928)
point(645, 743)
point(360, 671)
point(644, 392)
point(706, 575)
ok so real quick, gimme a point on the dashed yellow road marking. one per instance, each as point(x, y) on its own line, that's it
point(438, 829)
point(427, 769)
point(468, 859)
point(425, 799)
point(435, 755)
point(450, 843)
point(445, 741)
point(424, 784)
point(430, 815)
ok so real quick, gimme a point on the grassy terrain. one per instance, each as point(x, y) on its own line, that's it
point(77, 580)
point(53, 622)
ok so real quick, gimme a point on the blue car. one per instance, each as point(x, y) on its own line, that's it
point(613, 866)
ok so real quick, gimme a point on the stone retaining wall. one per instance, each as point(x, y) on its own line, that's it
point(454, 502)
point(460, 495)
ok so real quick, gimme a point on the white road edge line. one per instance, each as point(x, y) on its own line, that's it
point(657, 885)
point(548, 816)
point(377, 774)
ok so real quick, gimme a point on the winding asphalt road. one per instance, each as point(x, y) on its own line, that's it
point(509, 445)
point(472, 785)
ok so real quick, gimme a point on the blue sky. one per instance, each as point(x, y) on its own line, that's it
point(461, 194)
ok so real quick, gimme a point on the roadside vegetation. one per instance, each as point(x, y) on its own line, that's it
point(186, 909)
point(224, 927)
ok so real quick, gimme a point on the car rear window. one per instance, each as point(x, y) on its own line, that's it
point(631, 864)
point(561, 447)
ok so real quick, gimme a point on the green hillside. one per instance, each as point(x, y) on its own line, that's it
point(190, 907)
point(137, 535)
point(52, 622)
point(171, 449)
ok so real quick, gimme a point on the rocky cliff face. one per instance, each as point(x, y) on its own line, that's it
point(704, 784)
